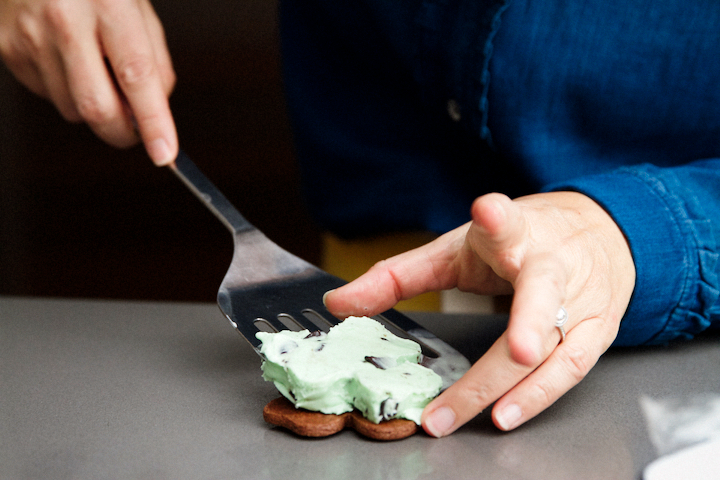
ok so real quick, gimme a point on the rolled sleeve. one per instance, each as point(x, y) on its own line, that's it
point(673, 244)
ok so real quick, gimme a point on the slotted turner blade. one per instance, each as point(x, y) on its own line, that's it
point(267, 288)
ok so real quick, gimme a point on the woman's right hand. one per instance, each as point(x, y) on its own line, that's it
point(103, 62)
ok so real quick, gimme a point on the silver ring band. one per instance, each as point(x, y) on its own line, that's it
point(560, 320)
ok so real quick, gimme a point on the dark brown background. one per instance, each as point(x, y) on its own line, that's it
point(78, 218)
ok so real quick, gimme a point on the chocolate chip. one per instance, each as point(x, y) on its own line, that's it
point(316, 333)
point(388, 408)
point(383, 363)
point(377, 362)
point(287, 347)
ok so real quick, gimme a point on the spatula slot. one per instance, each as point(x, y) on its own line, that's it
point(290, 322)
point(319, 320)
point(397, 331)
point(264, 326)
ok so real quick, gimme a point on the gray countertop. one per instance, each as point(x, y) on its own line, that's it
point(133, 390)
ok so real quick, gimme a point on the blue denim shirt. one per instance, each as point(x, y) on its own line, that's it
point(404, 112)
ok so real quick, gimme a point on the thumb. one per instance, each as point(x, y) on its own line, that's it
point(423, 269)
point(499, 233)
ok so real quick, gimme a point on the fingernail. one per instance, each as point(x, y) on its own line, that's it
point(509, 417)
point(440, 422)
point(325, 296)
point(159, 152)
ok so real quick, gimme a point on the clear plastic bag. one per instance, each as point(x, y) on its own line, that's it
point(677, 423)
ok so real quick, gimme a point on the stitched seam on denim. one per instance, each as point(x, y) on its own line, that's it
point(472, 78)
point(679, 318)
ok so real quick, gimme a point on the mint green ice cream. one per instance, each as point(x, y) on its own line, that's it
point(357, 364)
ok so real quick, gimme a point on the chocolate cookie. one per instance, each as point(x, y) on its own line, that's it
point(282, 412)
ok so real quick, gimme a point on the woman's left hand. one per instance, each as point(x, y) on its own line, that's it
point(549, 250)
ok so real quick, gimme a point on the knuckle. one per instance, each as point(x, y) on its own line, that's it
point(383, 271)
point(134, 71)
point(93, 110)
point(576, 361)
point(148, 118)
point(30, 33)
point(509, 262)
point(545, 393)
point(477, 396)
point(148, 122)
point(59, 15)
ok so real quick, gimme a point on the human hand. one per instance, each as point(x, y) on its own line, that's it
point(102, 62)
point(551, 249)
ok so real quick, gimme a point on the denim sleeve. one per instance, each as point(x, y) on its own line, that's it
point(671, 219)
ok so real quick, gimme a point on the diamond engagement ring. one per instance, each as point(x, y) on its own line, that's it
point(560, 320)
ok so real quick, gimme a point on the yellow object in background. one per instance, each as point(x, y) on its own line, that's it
point(348, 259)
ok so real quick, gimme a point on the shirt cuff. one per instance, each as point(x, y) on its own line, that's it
point(637, 204)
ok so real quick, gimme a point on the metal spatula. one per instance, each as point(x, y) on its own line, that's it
point(267, 288)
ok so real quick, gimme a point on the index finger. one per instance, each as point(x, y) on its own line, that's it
point(494, 374)
point(526, 344)
point(398, 278)
point(129, 49)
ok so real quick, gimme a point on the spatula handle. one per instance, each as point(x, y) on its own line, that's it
point(209, 194)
